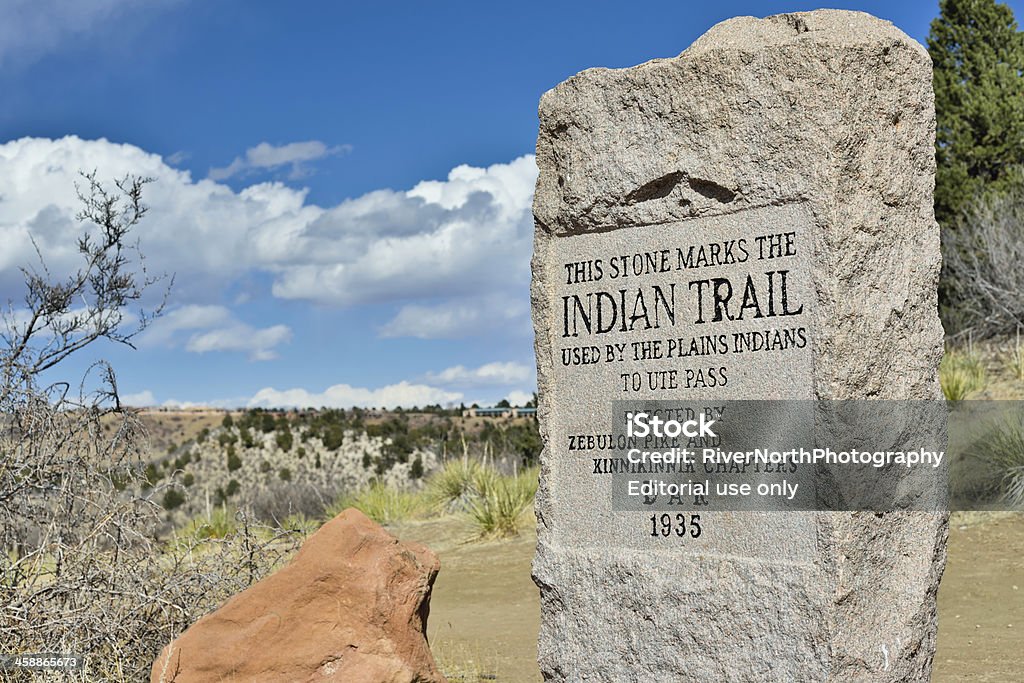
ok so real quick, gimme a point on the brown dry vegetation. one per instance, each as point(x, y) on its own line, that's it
point(166, 429)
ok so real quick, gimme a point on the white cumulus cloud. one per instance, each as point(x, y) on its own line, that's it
point(203, 231)
point(490, 374)
point(469, 236)
point(258, 343)
point(449, 257)
point(141, 399)
point(266, 157)
point(519, 398)
point(505, 313)
point(200, 329)
point(402, 394)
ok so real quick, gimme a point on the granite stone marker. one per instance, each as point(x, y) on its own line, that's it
point(749, 220)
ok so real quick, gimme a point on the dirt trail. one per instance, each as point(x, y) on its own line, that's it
point(981, 600)
point(485, 610)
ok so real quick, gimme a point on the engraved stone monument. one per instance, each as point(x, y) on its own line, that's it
point(749, 220)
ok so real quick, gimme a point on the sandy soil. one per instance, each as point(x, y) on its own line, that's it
point(485, 608)
point(485, 613)
point(981, 600)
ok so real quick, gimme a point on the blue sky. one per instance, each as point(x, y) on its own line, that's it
point(342, 189)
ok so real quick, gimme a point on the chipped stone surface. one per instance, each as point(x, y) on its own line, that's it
point(818, 124)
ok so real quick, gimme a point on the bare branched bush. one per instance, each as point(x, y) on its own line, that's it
point(83, 569)
point(280, 500)
point(984, 266)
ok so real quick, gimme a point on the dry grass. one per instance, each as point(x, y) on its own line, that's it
point(464, 663)
point(491, 501)
point(1015, 360)
point(961, 374)
point(497, 508)
point(450, 488)
point(996, 461)
point(382, 504)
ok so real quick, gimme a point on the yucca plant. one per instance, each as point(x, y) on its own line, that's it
point(960, 375)
point(501, 501)
point(381, 503)
point(219, 523)
point(450, 488)
point(1000, 454)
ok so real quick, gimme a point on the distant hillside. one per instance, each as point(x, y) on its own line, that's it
point(280, 463)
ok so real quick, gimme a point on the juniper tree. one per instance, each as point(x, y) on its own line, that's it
point(978, 57)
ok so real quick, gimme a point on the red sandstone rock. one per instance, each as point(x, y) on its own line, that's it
point(351, 606)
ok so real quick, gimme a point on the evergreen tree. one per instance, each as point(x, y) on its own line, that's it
point(978, 57)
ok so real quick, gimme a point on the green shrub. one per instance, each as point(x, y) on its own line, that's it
point(501, 501)
point(333, 438)
point(188, 479)
point(285, 440)
point(234, 462)
point(449, 488)
point(523, 438)
point(233, 487)
point(220, 524)
point(960, 375)
point(119, 479)
point(381, 503)
point(265, 467)
point(284, 474)
point(150, 477)
point(998, 460)
point(416, 469)
point(173, 498)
